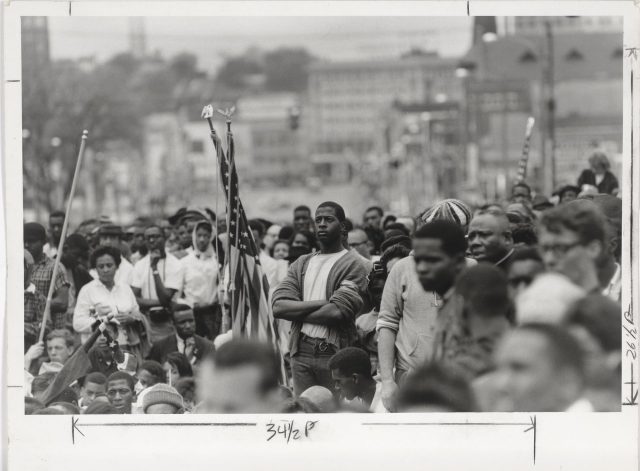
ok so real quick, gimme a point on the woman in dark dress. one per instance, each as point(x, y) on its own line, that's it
point(599, 175)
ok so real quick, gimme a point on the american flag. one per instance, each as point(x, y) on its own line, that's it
point(251, 314)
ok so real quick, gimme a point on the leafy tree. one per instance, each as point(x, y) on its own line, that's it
point(287, 69)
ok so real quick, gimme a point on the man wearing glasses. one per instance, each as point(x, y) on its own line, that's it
point(358, 240)
point(157, 277)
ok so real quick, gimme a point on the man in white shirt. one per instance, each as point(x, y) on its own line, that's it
point(200, 281)
point(157, 277)
point(111, 235)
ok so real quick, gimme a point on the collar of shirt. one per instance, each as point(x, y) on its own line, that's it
point(30, 289)
point(615, 279)
point(501, 261)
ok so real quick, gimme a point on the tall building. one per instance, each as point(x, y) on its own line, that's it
point(137, 37)
point(346, 100)
point(35, 44)
point(279, 151)
point(507, 83)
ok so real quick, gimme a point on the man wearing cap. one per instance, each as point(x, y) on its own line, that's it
point(56, 221)
point(35, 237)
point(162, 399)
point(111, 235)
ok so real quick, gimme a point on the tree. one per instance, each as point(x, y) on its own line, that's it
point(235, 70)
point(287, 69)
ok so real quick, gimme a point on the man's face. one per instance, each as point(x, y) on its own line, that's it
point(526, 376)
point(185, 323)
point(489, 238)
point(555, 246)
point(358, 240)
point(138, 236)
point(329, 228)
point(301, 241)
point(120, 395)
point(55, 227)
point(89, 392)
point(232, 390)
point(372, 219)
point(109, 240)
point(521, 275)
point(146, 379)
point(346, 386)
point(58, 351)
point(166, 228)
point(154, 238)
point(34, 246)
point(302, 220)
point(568, 195)
point(271, 236)
point(436, 269)
point(203, 238)
point(184, 236)
point(256, 237)
point(520, 195)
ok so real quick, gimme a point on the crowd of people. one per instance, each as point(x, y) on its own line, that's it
point(511, 306)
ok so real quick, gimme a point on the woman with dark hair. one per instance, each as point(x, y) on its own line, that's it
point(177, 366)
point(104, 298)
point(302, 243)
point(599, 175)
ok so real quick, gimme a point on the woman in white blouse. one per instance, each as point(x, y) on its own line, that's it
point(104, 297)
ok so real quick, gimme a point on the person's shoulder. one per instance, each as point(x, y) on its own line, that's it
point(204, 341)
point(142, 263)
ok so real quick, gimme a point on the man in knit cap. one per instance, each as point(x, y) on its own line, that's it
point(162, 399)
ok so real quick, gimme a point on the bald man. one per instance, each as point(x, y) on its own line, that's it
point(358, 240)
point(490, 239)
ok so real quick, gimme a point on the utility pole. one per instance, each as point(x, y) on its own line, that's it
point(550, 102)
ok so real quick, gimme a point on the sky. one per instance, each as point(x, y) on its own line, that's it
point(211, 39)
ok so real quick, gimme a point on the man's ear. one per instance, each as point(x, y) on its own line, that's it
point(594, 249)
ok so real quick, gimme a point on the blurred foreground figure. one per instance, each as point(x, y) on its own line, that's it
point(242, 377)
point(540, 368)
point(432, 388)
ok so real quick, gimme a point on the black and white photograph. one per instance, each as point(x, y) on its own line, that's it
point(376, 219)
point(414, 215)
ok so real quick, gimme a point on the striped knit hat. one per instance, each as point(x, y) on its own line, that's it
point(450, 210)
point(161, 394)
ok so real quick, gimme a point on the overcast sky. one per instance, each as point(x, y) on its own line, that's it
point(211, 39)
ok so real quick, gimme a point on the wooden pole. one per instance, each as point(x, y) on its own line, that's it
point(63, 236)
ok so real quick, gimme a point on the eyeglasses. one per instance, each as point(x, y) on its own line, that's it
point(558, 249)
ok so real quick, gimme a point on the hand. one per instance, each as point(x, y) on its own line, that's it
point(190, 346)
point(123, 317)
point(388, 394)
point(35, 351)
point(102, 310)
point(155, 256)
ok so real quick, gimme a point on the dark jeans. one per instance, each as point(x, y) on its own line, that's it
point(208, 321)
point(309, 365)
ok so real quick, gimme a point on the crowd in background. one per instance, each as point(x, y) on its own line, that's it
point(511, 306)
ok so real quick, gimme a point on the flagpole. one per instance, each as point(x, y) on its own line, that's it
point(63, 235)
point(207, 113)
point(524, 160)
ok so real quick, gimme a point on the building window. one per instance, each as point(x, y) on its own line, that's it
point(574, 55)
point(528, 57)
point(197, 147)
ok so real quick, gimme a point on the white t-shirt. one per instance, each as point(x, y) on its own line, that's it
point(199, 279)
point(315, 287)
point(170, 273)
point(124, 273)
